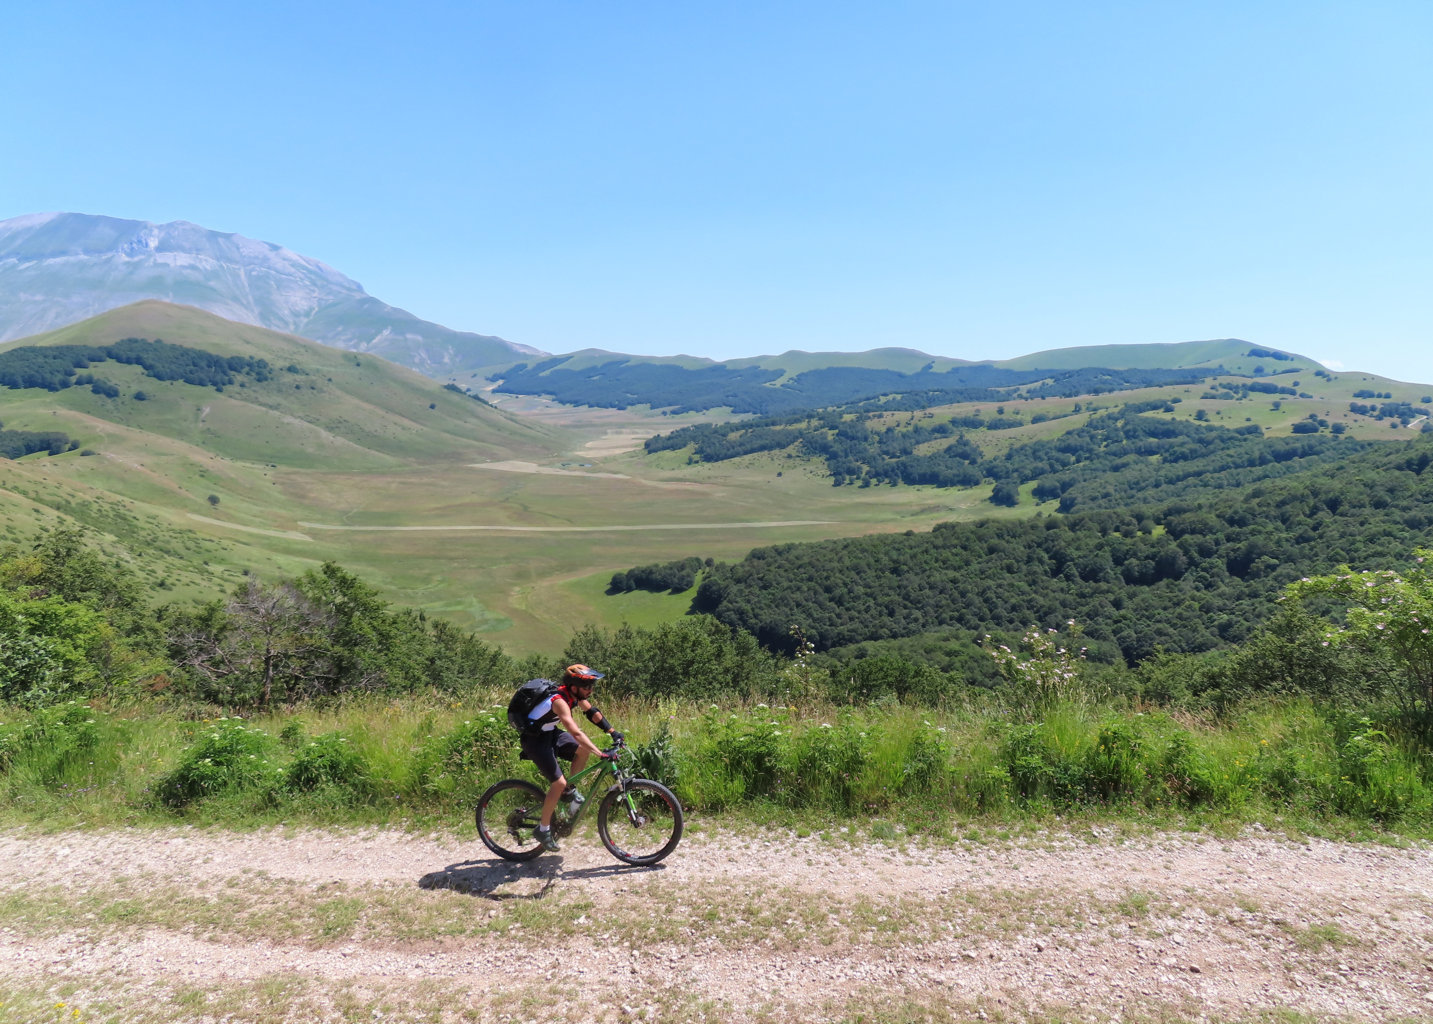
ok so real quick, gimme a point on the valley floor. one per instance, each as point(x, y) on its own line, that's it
point(186, 925)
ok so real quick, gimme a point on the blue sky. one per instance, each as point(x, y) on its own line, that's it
point(978, 180)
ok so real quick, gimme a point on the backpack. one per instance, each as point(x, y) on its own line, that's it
point(528, 696)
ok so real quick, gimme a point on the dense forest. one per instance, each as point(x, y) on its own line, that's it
point(56, 367)
point(1106, 462)
point(15, 444)
point(621, 383)
point(1182, 576)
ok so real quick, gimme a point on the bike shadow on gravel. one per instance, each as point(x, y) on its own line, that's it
point(506, 880)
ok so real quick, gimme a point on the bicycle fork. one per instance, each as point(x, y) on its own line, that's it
point(637, 818)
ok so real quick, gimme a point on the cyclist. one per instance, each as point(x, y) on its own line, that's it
point(552, 732)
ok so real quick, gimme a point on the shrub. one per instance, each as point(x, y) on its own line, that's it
point(825, 765)
point(1390, 614)
point(229, 755)
point(462, 762)
point(1377, 780)
point(926, 765)
point(56, 747)
point(1047, 678)
point(329, 761)
point(1185, 774)
point(658, 759)
point(742, 755)
point(1113, 765)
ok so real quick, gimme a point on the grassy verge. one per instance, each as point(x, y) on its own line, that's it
point(889, 771)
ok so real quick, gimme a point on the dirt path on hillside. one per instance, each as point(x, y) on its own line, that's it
point(768, 927)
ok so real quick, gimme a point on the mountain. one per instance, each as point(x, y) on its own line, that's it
point(201, 446)
point(244, 392)
point(58, 268)
point(794, 381)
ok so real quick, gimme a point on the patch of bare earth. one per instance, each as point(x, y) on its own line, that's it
point(194, 925)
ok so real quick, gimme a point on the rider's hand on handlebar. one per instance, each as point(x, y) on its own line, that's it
point(617, 738)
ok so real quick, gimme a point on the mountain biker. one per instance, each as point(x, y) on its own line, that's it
point(552, 732)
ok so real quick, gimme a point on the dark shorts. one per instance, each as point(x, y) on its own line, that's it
point(544, 748)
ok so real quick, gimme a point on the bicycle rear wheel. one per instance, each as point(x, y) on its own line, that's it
point(646, 830)
point(506, 815)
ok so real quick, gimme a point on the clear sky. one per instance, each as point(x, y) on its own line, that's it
point(978, 180)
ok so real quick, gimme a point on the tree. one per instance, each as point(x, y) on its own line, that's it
point(262, 643)
point(1389, 612)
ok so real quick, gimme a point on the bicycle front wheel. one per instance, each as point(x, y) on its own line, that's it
point(641, 826)
point(506, 815)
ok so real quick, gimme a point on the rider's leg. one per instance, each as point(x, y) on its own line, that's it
point(554, 792)
point(568, 750)
point(541, 749)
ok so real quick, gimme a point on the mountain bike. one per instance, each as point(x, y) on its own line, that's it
point(639, 821)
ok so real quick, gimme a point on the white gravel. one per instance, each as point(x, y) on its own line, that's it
point(1232, 951)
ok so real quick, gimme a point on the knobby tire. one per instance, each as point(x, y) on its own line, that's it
point(653, 836)
point(506, 815)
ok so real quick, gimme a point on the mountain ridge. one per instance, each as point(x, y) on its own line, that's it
point(59, 268)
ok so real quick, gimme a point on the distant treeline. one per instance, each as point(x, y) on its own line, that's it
point(1104, 463)
point(1184, 576)
point(15, 444)
point(673, 577)
point(56, 367)
point(621, 383)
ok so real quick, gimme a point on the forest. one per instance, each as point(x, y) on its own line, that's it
point(56, 367)
point(1106, 462)
point(1184, 576)
point(621, 383)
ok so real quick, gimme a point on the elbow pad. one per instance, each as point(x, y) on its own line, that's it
point(592, 714)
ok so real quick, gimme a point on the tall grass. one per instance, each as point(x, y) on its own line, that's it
point(422, 763)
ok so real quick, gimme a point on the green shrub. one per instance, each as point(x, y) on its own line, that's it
point(1185, 774)
point(824, 766)
point(229, 755)
point(658, 759)
point(57, 747)
point(926, 765)
point(1378, 780)
point(1114, 765)
point(742, 755)
point(329, 761)
point(466, 760)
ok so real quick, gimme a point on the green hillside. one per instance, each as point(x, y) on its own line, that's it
point(1234, 355)
point(1178, 576)
point(510, 524)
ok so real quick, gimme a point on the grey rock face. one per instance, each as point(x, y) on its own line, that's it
point(57, 268)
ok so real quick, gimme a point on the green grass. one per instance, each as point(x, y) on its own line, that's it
point(422, 763)
point(357, 446)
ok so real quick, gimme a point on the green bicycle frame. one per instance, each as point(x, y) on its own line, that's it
point(593, 775)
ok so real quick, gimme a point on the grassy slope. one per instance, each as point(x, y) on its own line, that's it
point(1229, 352)
point(362, 450)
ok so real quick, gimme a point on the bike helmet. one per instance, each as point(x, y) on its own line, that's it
point(580, 675)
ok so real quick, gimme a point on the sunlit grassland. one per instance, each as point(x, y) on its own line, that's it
point(885, 770)
point(356, 461)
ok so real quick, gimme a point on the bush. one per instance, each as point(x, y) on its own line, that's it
point(1377, 780)
point(825, 766)
point(57, 747)
point(329, 761)
point(695, 656)
point(658, 759)
point(459, 764)
point(1114, 765)
point(228, 756)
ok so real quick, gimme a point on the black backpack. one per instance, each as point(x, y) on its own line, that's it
point(528, 696)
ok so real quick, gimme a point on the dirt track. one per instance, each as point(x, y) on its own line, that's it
point(1062, 927)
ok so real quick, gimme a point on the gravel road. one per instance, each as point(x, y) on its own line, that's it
point(170, 925)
